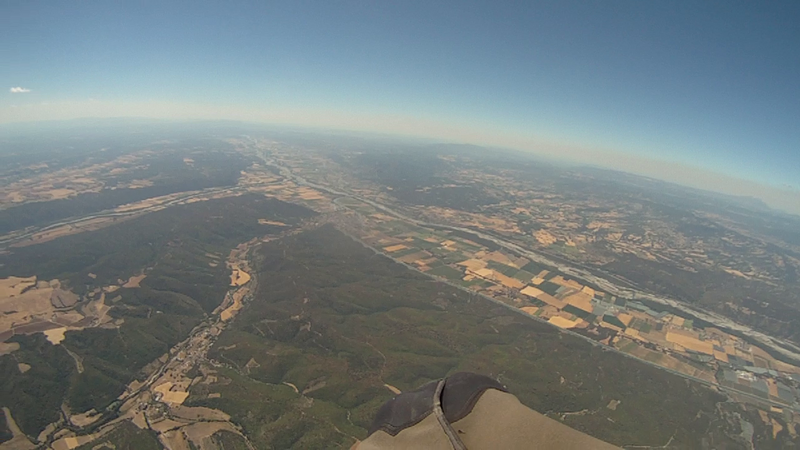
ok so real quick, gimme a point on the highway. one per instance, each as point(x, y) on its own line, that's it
point(718, 320)
point(577, 273)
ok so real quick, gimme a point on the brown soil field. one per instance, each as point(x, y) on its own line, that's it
point(133, 282)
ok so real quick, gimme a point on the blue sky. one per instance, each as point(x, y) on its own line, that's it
point(714, 85)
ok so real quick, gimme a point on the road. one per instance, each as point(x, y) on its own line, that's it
point(718, 320)
point(580, 274)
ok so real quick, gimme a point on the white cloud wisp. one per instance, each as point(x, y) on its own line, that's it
point(19, 90)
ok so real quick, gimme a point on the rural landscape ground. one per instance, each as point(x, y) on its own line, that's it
point(223, 286)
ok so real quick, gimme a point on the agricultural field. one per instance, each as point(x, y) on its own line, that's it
point(159, 275)
point(333, 324)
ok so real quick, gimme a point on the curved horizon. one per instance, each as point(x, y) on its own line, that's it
point(699, 94)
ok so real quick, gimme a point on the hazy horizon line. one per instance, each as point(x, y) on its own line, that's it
point(783, 199)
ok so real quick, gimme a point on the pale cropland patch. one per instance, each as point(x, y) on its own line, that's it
point(13, 286)
point(393, 389)
point(271, 222)
point(562, 322)
point(690, 343)
point(56, 335)
point(133, 282)
point(239, 277)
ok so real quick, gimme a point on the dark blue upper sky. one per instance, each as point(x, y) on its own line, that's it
point(710, 84)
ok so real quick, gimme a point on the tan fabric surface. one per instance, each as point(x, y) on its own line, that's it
point(427, 434)
point(500, 421)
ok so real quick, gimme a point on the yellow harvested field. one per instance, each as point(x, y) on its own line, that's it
point(552, 301)
point(532, 291)
point(581, 301)
point(562, 322)
point(625, 318)
point(543, 296)
point(484, 273)
point(231, 311)
point(7, 348)
point(678, 321)
point(721, 356)
point(588, 291)
point(393, 389)
point(631, 332)
point(26, 307)
point(537, 281)
point(776, 428)
point(133, 282)
point(603, 324)
point(70, 442)
point(13, 286)
point(566, 283)
point(545, 238)
point(530, 309)
point(508, 282)
point(394, 248)
point(239, 277)
point(22, 367)
point(690, 343)
point(56, 335)
point(169, 396)
point(473, 264)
